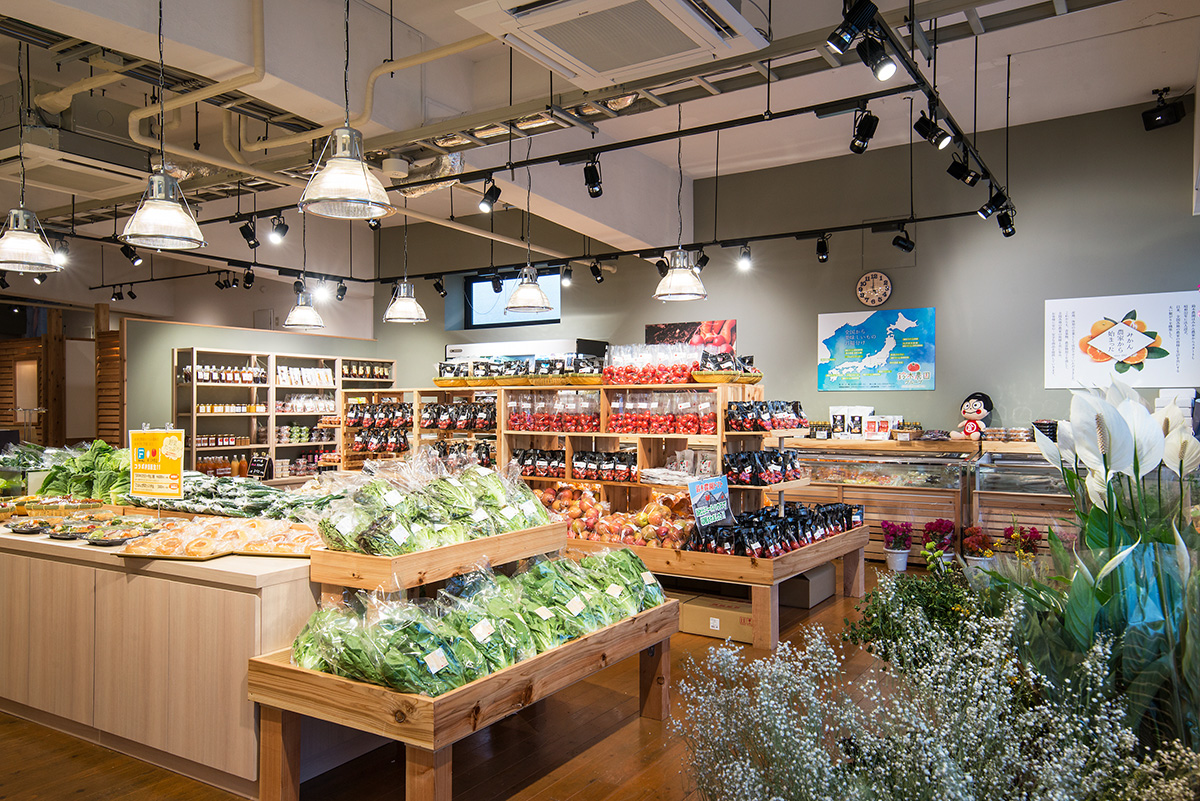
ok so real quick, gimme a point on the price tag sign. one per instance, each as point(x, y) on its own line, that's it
point(156, 466)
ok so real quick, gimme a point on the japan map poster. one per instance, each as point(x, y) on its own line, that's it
point(891, 349)
point(1145, 340)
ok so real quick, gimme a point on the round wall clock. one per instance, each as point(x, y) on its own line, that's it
point(874, 288)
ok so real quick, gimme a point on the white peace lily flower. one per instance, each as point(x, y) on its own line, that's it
point(1181, 448)
point(1182, 556)
point(1103, 440)
point(1169, 417)
point(1097, 490)
point(1049, 450)
point(1066, 443)
point(1119, 391)
point(1148, 438)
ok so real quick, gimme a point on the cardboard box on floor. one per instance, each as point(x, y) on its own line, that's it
point(729, 618)
point(723, 618)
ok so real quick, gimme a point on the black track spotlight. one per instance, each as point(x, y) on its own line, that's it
point(374, 224)
point(246, 229)
point(875, 56)
point(118, 294)
point(1163, 113)
point(865, 125)
point(226, 283)
point(298, 286)
point(128, 252)
point(279, 229)
point(662, 267)
point(591, 177)
point(996, 202)
point(854, 22)
point(4, 280)
point(566, 276)
point(233, 282)
point(1005, 220)
point(40, 278)
point(701, 261)
point(597, 273)
point(823, 248)
point(113, 297)
point(340, 293)
point(931, 132)
point(960, 171)
point(439, 286)
point(491, 193)
point(903, 241)
point(248, 278)
point(497, 284)
point(131, 293)
point(62, 251)
point(219, 284)
point(744, 261)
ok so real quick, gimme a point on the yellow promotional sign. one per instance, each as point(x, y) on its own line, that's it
point(156, 464)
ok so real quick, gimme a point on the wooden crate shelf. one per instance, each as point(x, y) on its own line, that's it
point(394, 573)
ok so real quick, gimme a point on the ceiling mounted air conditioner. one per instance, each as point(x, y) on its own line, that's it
point(599, 43)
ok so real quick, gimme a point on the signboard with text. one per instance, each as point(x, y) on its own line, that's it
point(710, 503)
point(156, 464)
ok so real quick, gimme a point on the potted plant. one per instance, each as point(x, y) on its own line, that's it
point(938, 538)
point(978, 548)
point(897, 541)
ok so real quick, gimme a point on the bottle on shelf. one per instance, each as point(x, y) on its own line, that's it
point(244, 467)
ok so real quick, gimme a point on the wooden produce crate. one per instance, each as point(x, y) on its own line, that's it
point(395, 573)
point(762, 575)
point(430, 726)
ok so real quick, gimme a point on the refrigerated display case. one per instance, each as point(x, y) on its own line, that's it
point(1023, 487)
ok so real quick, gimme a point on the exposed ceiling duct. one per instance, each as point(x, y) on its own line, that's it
point(445, 166)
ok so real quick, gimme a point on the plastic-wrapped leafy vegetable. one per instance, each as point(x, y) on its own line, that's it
point(413, 657)
point(486, 611)
point(554, 609)
point(600, 608)
point(638, 579)
point(625, 599)
point(452, 495)
point(342, 525)
point(485, 484)
point(318, 643)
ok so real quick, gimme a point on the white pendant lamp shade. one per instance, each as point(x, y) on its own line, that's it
point(681, 282)
point(404, 307)
point(303, 317)
point(528, 297)
point(23, 249)
point(163, 220)
point(345, 188)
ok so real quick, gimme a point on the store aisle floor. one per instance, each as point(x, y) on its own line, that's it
point(585, 743)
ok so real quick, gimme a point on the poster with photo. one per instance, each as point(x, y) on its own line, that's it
point(892, 349)
point(720, 336)
point(1145, 340)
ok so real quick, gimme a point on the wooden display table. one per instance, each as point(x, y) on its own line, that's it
point(762, 575)
point(430, 726)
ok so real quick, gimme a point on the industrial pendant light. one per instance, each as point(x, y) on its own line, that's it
point(404, 307)
point(163, 220)
point(23, 246)
point(682, 278)
point(345, 188)
point(303, 316)
point(681, 282)
point(528, 297)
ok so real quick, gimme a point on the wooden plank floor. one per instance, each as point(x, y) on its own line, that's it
point(585, 743)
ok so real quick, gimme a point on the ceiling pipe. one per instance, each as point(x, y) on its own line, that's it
point(58, 101)
point(415, 60)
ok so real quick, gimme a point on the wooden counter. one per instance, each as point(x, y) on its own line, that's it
point(147, 657)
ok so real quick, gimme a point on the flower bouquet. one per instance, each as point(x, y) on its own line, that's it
point(897, 540)
point(938, 538)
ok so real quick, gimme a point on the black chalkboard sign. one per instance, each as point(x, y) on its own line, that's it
point(261, 468)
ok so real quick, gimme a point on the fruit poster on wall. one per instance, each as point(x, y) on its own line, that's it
point(719, 336)
point(1146, 340)
point(892, 349)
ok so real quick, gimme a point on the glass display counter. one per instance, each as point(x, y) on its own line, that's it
point(1023, 487)
point(894, 481)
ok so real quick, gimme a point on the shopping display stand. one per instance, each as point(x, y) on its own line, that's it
point(429, 727)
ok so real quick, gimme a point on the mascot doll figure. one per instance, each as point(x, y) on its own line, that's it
point(977, 409)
